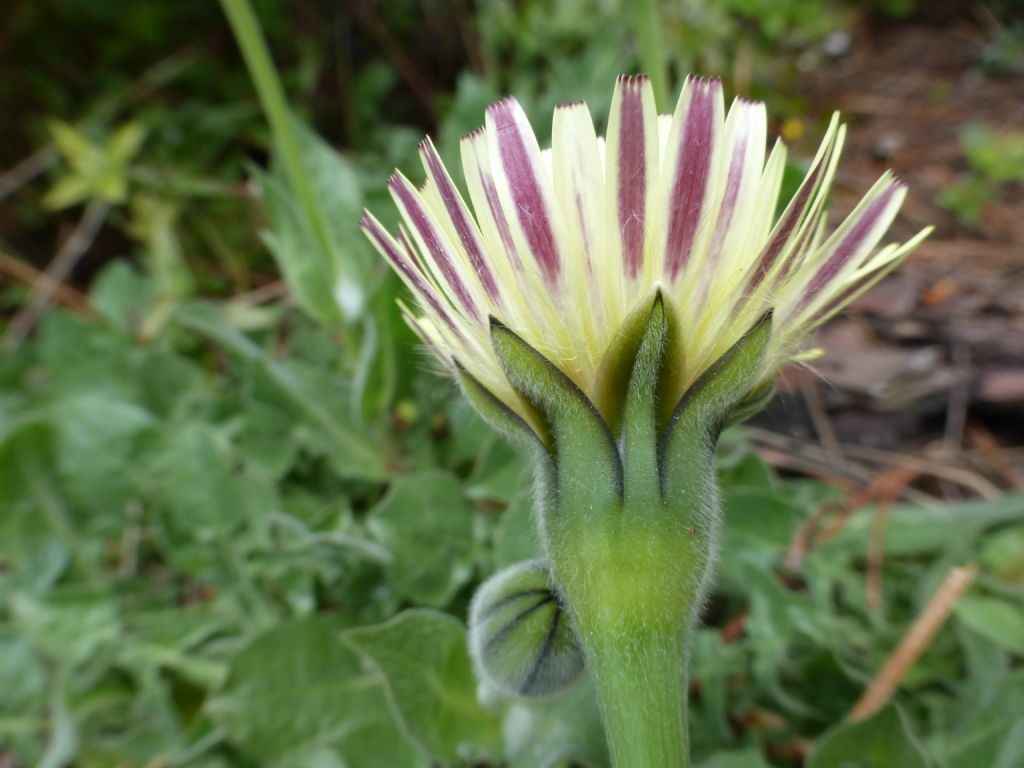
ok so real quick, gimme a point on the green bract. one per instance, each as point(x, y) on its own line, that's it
point(629, 517)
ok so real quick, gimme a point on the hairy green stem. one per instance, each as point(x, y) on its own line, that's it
point(633, 589)
point(641, 686)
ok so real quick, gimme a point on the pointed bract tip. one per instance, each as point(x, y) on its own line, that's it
point(571, 104)
point(659, 300)
point(766, 319)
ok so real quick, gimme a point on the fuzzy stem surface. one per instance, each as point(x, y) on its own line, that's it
point(641, 685)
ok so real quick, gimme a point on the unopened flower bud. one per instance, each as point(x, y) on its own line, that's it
point(520, 637)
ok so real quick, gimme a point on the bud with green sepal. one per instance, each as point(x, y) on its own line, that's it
point(520, 637)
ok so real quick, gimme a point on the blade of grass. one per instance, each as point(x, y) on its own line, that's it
point(647, 27)
point(250, 40)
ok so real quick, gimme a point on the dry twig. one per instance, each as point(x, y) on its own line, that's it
point(44, 289)
point(914, 643)
point(26, 273)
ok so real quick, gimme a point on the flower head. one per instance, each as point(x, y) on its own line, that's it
point(564, 245)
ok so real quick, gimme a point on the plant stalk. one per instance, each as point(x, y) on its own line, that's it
point(275, 106)
point(641, 686)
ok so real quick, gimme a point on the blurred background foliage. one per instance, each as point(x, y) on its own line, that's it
point(241, 518)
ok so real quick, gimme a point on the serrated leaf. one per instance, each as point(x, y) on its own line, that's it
point(68, 625)
point(296, 689)
point(427, 525)
point(883, 741)
point(96, 437)
point(999, 620)
point(423, 658)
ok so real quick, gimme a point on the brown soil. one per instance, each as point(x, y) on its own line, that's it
point(929, 367)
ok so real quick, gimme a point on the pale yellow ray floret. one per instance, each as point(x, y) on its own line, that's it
point(562, 245)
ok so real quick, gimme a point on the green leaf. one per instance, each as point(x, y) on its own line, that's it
point(992, 734)
point(23, 680)
point(354, 452)
point(758, 525)
point(427, 525)
point(1002, 554)
point(68, 191)
point(78, 150)
point(915, 531)
point(96, 172)
point(97, 437)
point(293, 247)
point(323, 280)
point(122, 296)
point(423, 658)
point(34, 546)
point(883, 741)
point(154, 223)
point(999, 620)
point(68, 625)
point(202, 486)
point(296, 689)
point(126, 142)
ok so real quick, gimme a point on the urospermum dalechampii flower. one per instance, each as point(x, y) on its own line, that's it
point(617, 301)
point(562, 245)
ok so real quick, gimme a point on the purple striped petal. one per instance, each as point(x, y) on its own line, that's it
point(799, 208)
point(787, 224)
point(632, 163)
point(406, 268)
point(520, 175)
point(862, 235)
point(577, 175)
point(484, 193)
point(465, 227)
point(694, 152)
point(433, 241)
point(848, 294)
point(745, 152)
